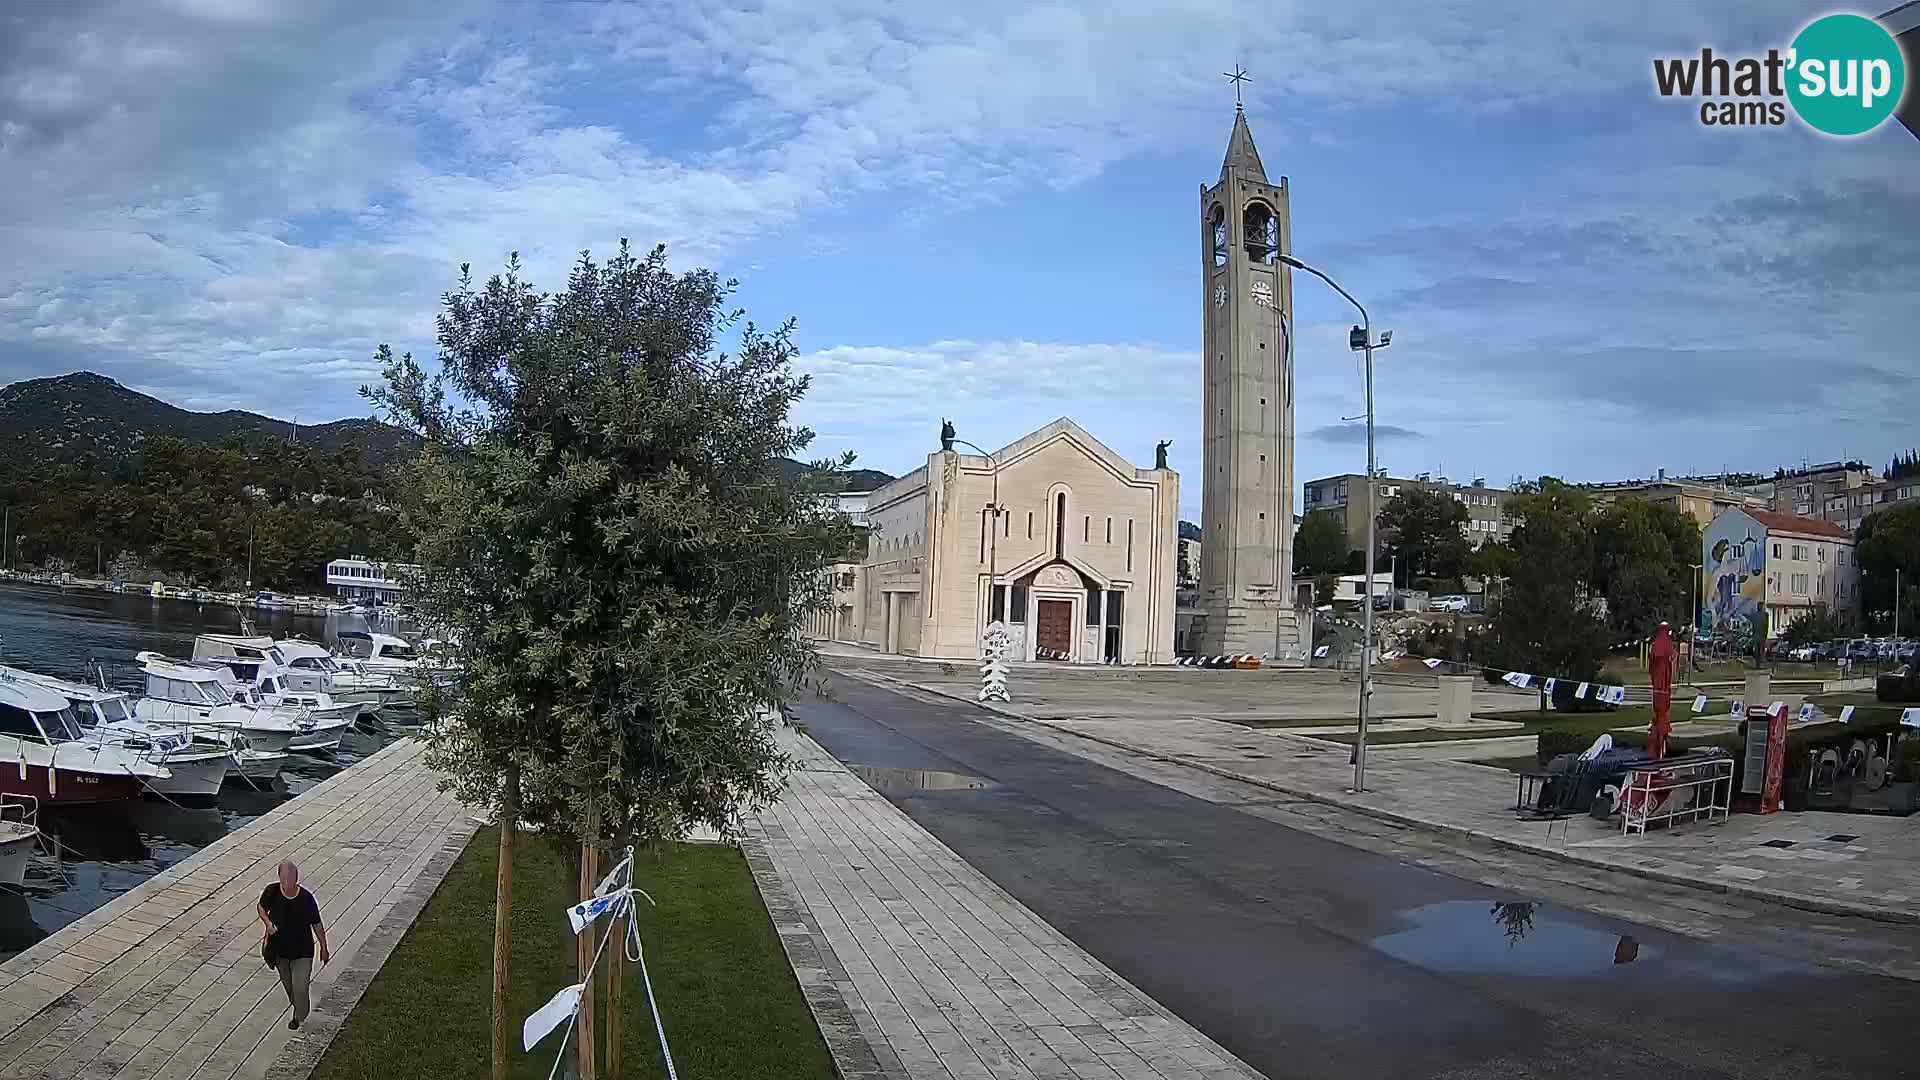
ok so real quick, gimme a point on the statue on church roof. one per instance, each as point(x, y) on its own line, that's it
point(946, 435)
point(1160, 453)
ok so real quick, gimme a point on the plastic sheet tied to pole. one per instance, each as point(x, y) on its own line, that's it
point(614, 897)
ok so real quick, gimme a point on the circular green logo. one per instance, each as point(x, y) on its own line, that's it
point(1847, 74)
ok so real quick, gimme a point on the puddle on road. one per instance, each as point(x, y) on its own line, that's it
point(890, 781)
point(1478, 937)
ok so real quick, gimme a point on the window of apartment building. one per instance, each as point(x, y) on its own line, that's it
point(1839, 556)
point(1799, 551)
point(1776, 551)
point(1820, 554)
point(1798, 588)
point(1820, 585)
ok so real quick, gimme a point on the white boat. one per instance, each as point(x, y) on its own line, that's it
point(310, 667)
point(194, 769)
point(45, 754)
point(384, 654)
point(258, 676)
point(203, 696)
point(19, 835)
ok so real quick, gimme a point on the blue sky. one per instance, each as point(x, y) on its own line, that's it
point(983, 211)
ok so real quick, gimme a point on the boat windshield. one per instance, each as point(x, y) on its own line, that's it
point(277, 656)
point(60, 726)
point(113, 710)
point(397, 652)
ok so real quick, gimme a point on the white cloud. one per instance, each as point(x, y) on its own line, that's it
point(202, 192)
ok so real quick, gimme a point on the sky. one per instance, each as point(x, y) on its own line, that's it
point(984, 211)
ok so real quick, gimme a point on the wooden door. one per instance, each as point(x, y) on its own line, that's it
point(1055, 629)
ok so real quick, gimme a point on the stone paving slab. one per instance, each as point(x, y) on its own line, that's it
point(1782, 858)
point(165, 982)
point(941, 974)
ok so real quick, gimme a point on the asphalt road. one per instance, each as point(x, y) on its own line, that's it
point(1308, 958)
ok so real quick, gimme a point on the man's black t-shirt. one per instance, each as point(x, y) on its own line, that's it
point(294, 921)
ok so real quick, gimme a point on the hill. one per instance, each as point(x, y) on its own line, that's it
point(50, 421)
point(850, 481)
point(65, 418)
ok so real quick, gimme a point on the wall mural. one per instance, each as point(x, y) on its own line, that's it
point(1734, 553)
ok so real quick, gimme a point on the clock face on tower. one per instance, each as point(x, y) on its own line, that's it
point(1219, 296)
point(1263, 291)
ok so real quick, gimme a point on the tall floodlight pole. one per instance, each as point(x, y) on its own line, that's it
point(1361, 339)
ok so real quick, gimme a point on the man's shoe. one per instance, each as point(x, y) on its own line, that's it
point(293, 1025)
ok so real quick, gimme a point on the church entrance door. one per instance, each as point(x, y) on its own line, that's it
point(1054, 636)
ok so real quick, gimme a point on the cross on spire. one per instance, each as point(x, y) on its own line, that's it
point(1237, 76)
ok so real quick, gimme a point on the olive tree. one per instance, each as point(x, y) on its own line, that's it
point(604, 530)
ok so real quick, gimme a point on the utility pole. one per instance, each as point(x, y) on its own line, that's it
point(6, 532)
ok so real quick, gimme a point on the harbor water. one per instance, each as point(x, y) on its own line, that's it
point(92, 854)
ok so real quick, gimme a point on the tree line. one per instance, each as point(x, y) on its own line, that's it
point(193, 514)
point(1574, 578)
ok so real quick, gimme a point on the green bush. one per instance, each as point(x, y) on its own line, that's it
point(1906, 760)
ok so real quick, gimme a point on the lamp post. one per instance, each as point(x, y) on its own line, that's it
point(993, 535)
point(1361, 339)
point(1693, 636)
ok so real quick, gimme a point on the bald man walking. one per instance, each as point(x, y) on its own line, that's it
point(292, 919)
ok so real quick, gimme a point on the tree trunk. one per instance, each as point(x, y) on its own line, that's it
point(589, 877)
point(616, 977)
point(502, 916)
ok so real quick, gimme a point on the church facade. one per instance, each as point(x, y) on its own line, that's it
point(1079, 560)
point(1074, 547)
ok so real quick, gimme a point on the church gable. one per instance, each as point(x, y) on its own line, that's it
point(1065, 430)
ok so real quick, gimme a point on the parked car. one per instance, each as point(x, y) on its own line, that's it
point(1453, 603)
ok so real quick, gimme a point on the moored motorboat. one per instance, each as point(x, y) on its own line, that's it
point(194, 770)
point(203, 696)
point(44, 752)
point(19, 836)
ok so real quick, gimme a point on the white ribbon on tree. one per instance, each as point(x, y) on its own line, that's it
point(613, 896)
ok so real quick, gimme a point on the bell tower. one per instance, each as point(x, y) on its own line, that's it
point(1246, 560)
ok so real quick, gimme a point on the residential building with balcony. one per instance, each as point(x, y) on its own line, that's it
point(1346, 495)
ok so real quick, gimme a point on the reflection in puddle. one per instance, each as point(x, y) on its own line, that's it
point(899, 780)
point(1518, 939)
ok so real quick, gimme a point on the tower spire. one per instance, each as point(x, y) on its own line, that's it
point(1241, 153)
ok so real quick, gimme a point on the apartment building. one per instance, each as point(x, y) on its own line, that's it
point(1700, 498)
point(1761, 570)
point(1346, 495)
point(1837, 492)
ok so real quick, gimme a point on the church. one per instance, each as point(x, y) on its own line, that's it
point(1072, 545)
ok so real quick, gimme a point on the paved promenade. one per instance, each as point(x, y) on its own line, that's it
point(166, 983)
point(920, 968)
point(1849, 864)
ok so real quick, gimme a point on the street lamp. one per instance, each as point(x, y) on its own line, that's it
point(1361, 339)
point(993, 537)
